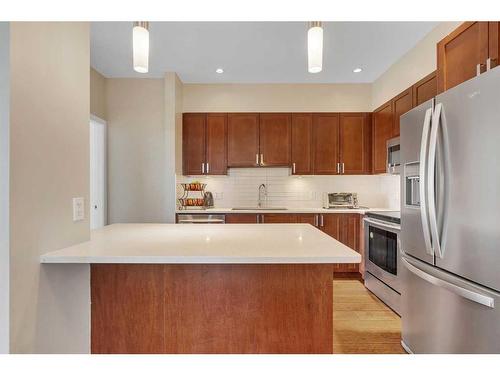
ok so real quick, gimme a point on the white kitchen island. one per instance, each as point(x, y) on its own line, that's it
point(241, 288)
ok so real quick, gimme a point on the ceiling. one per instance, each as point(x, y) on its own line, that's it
point(256, 52)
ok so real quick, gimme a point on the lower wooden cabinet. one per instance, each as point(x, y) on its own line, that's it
point(241, 218)
point(278, 218)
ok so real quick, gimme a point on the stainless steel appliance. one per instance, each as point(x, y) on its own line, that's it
point(450, 232)
point(382, 256)
point(393, 156)
point(201, 219)
point(341, 200)
point(208, 199)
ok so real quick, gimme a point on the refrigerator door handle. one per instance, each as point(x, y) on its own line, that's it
point(423, 177)
point(431, 174)
point(462, 292)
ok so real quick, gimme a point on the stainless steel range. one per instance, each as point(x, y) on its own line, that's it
point(382, 256)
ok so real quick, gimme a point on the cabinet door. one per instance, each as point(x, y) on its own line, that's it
point(241, 219)
point(242, 139)
point(301, 143)
point(330, 224)
point(193, 143)
point(355, 147)
point(381, 132)
point(461, 53)
point(425, 89)
point(278, 218)
point(349, 236)
point(216, 144)
point(308, 219)
point(326, 143)
point(494, 43)
point(275, 139)
point(401, 104)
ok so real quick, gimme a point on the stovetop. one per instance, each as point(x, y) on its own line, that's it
point(390, 216)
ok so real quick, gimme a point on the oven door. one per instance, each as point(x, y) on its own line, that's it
point(382, 255)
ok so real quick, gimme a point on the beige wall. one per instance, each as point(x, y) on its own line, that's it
point(136, 150)
point(49, 165)
point(97, 94)
point(4, 187)
point(413, 66)
point(276, 97)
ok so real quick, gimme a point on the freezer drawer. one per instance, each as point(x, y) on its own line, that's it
point(442, 313)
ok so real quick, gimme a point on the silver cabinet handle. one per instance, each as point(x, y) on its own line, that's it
point(322, 221)
point(338, 168)
point(262, 219)
point(422, 183)
point(293, 168)
point(316, 220)
point(202, 168)
point(261, 159)
point(343, 168)
point(257, 159)
point(258, 218)
point(208, 168)
point(478, 68)
point(462, 292)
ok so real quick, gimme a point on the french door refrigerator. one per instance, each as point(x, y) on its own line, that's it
point(450, 220)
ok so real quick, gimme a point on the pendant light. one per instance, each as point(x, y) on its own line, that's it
point(140, 38)
point(315, 47)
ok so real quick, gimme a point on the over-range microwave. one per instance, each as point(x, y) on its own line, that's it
point(393, 158)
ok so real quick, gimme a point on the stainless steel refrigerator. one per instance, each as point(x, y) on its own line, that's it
point(450, 220)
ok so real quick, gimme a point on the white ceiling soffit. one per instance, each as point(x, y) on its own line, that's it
point(256, 52)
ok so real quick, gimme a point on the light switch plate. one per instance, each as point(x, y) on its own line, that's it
point(78, 209)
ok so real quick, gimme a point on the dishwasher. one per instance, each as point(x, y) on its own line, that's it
point(201, 219)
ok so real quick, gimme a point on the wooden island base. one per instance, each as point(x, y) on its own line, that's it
point(212, 308)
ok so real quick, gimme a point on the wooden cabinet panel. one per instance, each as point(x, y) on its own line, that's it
point(301, 143)
point(325, 143)
point(425, 89)
point(349, 236)
point(193, 143)
point(460, 52)
point(242, 139)
point(278, 218)
point(216, 144)
point(494, 43)
point(330, 224)
point(275, 139)
point(308, 219)
point(355, 146)
point(401, 104)
point(241, 219)
point(382, 131)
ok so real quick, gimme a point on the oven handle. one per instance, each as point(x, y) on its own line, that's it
point(382, 224)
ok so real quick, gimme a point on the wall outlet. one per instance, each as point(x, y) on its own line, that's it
point(78, 209)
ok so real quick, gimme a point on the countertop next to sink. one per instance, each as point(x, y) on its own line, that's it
point(206, 244)
point(288, 210)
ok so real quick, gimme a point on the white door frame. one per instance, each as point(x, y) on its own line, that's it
point(98, 120)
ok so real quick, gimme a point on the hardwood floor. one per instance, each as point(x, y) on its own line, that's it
point(362, 324)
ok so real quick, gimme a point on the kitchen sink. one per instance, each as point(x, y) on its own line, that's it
point(258, 208)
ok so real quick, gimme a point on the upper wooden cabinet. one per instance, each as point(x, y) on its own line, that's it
point(326, 143)
point(466, 52)
point(424, 89)
point(204, 144)
point(275, 139)
point(383, 127)
point(243, 140)
point(193, 143)
point(355, 143)
point(302, 143)
point(400, 105)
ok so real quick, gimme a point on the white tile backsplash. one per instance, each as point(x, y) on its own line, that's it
point(240, 188)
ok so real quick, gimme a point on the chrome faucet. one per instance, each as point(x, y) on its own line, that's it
point(262, 192)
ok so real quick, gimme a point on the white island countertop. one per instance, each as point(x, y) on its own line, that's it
point(206, 244)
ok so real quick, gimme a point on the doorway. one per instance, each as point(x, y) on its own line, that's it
point(98, 173)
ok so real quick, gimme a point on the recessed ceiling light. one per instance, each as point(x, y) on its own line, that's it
point(357, 70)
point(219, 70)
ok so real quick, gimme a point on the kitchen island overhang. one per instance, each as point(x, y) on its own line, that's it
point(240, 288)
